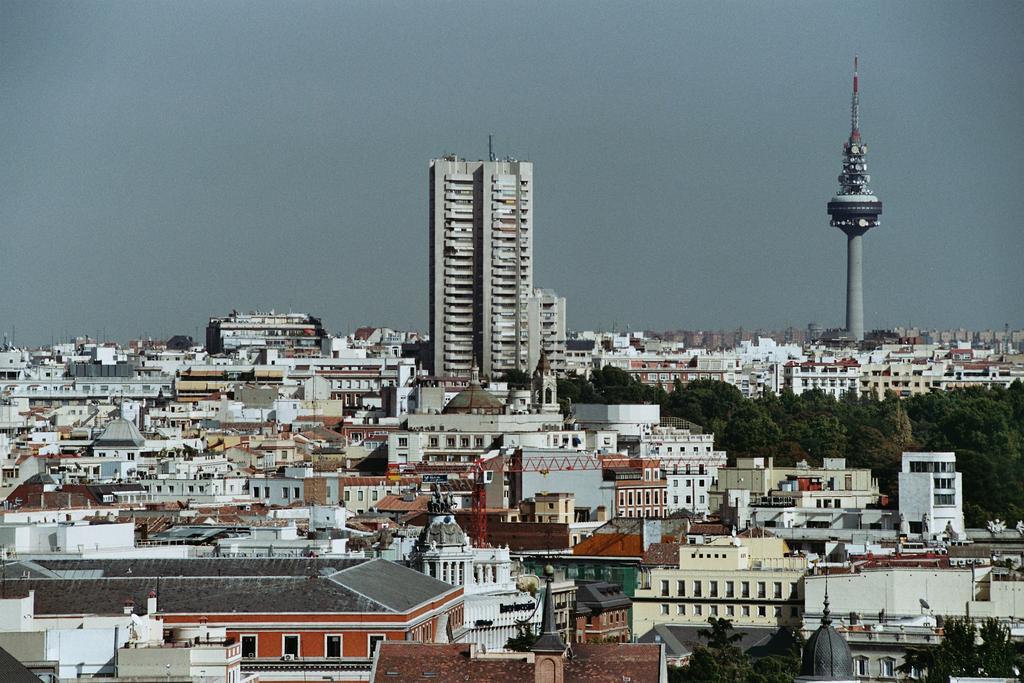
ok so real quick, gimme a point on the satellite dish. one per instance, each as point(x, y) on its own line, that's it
point(924, 603)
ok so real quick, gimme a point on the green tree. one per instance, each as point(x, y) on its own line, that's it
point(523, 640)
point(959, 653)
point(985, 427)
point(516, 379)
point(721, 637)
point(774, 669)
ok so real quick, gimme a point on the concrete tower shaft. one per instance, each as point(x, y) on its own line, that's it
point(854, 209)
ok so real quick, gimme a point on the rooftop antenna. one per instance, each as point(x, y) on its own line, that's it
point(490, 147)
point(855, 104)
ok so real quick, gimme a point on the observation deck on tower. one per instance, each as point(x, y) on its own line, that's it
point(855, 208)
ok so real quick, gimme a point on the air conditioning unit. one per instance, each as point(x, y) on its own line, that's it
point(288, 658)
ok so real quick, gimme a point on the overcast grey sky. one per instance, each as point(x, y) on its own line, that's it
point(161, 162)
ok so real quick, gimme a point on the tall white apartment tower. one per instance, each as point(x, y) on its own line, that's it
point(481, 265)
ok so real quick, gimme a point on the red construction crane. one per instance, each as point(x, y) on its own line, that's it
point(517, 462)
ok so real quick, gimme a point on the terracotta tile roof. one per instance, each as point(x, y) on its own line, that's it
point(397, 504)
point(591, 662)
point(611, 545)
point(662, 554)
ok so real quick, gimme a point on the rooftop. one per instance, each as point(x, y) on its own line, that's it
point(592, 662)
point(229, 585)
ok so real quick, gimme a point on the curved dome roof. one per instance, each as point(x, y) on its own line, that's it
point(474, 399)
point(120, 434)
point(827, 654)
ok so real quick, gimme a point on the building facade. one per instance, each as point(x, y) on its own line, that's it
point(294, 332)
point(751, 581)
point(546, 324)
point(931, 494)
point(481, 265)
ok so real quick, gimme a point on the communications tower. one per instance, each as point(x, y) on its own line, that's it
point(854, 210)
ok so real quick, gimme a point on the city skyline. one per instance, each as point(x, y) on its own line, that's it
point(166, 167)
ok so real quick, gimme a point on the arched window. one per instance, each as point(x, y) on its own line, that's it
point(860, 665)
point(887, 667)
point(547, 395)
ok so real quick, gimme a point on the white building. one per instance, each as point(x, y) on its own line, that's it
point(884, 610)
point(831, 377)
point(546, 311)
point(239, 331)
point(494, 607)
point(629, 420)
point(282, 541)
point(689, 465)
point(931, 494)
point(481, 265)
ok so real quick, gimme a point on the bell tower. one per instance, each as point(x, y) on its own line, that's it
point(544, 387)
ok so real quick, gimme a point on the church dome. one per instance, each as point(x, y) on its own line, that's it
point(474, 399)
point(827, 654)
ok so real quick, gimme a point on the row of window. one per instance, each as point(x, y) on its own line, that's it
point(359, 495)
point(729, 587)
point(627, 498)
point(693, 449)
point(290, 645)
point(191, 488)
point(643, 512)
point(295, 492)
point(690, 482)
point(699, 610)
point(451, 441)
point(886, 668)
point(665, 376)
point(928, 466)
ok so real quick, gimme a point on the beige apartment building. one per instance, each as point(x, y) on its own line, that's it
point(549, 508)
point(751, 581)
point(832, 485)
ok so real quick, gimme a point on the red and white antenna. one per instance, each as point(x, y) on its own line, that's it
point(855, 105)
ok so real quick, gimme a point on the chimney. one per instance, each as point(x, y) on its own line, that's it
point(151, 603)
point(129, 606)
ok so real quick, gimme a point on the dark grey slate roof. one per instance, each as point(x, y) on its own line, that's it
point(393, 585)
point(599, 596)
point(13, 671)
point(208, 566)
point(665, 633)
point(41, 479)
point(249, 594)
point(756, 641)
point(223, 585)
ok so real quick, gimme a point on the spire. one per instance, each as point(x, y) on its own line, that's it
point(550, 641)
point(855, 106)
point(826, 613)
point(543, 364)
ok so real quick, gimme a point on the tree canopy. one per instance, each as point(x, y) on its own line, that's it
point(960, 654)
point(984, 426)
point(722, 661)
